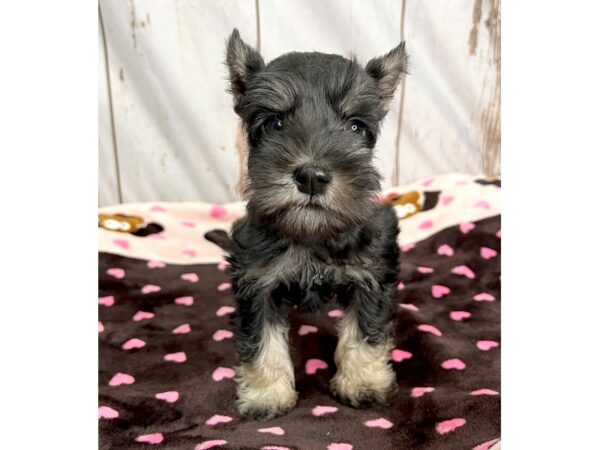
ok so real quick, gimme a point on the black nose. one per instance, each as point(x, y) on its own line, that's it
point(311, 180)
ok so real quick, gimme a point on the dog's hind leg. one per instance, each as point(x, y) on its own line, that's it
point(265, 379)
point(364, 371)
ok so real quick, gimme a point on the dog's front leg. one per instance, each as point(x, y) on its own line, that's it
point(364, 371)
point(265, 379)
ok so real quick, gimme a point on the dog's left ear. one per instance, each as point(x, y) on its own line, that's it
point(243, 62)
point(388, 71)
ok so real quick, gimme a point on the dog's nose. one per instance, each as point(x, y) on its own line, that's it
point(311, 180)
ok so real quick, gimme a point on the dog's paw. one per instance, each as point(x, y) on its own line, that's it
point(265, 403)
point(362, 394)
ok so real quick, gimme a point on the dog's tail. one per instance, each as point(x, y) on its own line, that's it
point(220, 238)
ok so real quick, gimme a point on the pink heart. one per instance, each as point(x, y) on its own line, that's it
point(156, 264)
point(191, 277)
point(499, 234)
point(210, 444)
point(169, 396)
point(429, 329)
point(121, 378)
point(116, 272)
point(439, 291)
point(108, 300)
point(158, 237)
point(105, 412)
point(223, 287)
point(154, 438)
point(273, 447)
point(482, 204)
point(427, 182)
point(463, 270)
point(339, 446)
point(487, 253)
point(409, 306)
point(459, 315)
point(272, 430)
point(401, 286)
point(221, 373)
point(400, 355)
point(182, 329)
point(484, 297)
point(312, 365)
point(487, 345)
point(217, 419)
point(217, 212)
point(188, 224)
point(484, 392)
point(449, 425)
point(142, 315)
point(465, 227)
point(177, 357)
point(189, 252)
point(486, 445)
point(445, 250)
point(322, 410)
point(446, 199)
point(426, 224)
point(379, 423)
point(408, 247)
point(424, 269)
point(222, 335)
point(223, 265)
point(100, 327)
point(186, 301)
point(150, 288)
point(420, 391)
point(121, 243)
point(224, 310)
point(454, 363)
point(336, 313)
point(307, 329)
point(133, 344)
point(157, 208)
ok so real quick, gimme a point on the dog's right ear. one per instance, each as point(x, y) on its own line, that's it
point(243, 62)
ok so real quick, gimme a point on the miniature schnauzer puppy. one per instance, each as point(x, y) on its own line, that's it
point(314, 228)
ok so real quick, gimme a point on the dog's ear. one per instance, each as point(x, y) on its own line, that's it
point(388, 71)
point(243, 62)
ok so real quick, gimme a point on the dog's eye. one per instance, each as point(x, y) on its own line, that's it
point(356, 126)
point(274, 123)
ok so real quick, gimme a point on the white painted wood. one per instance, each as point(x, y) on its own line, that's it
point(176, 131)
point(447, 90)
point(337, 26)
point(108, 190)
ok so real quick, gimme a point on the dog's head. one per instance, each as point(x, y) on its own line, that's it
point(312, 121)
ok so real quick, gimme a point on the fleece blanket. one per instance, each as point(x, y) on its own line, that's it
point(166, 347)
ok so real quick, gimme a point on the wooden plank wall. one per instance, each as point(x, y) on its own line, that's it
point(167, 130)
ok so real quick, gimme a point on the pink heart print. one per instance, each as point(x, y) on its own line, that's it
point(426, 225)
point(218, 212)
point(223, 287)
point(121, 378)
point(445, 250)
point(100, 327)
point(484, 297)
point(210, 444)
point(224, 310)
point(446, 199)
point(400, 355)
point(459, 315)
point(223, 265)
point(339, 446)
point(273, 447)
point(466, 227)
point(150, 288)
point(189, 252)
point(499, 234)
point(107, 300)
point(424, 269)
point(379, 423)
point(439, 291)
point(116, 272)
point(106, 412)
point(484, 392)
point(425, 328)
point(482, 204)
point(312, 365)
point(177, 357)
point(154, 438)
point(132, 344)
point(322, 410)
point(188, 224)
point(487, 253)
point(217, 419)
point(427, 182)
point(185, 301)
point(454, 363)
point(221, 373)
point(272, 430)
point(191, 277)
point(121, 243)
point(158, 208)
point(336, 313)
point(487, 345)
point(156, 264)
point(420, 391)
point(409, 306)
point(142, 315)
point(449, 425)
point(408, 247)
point(169, 396)
point(221, 335)
point(486, 445)
point(307, 329)
point(464, 271)
point(401, 286)
point(182, 329)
